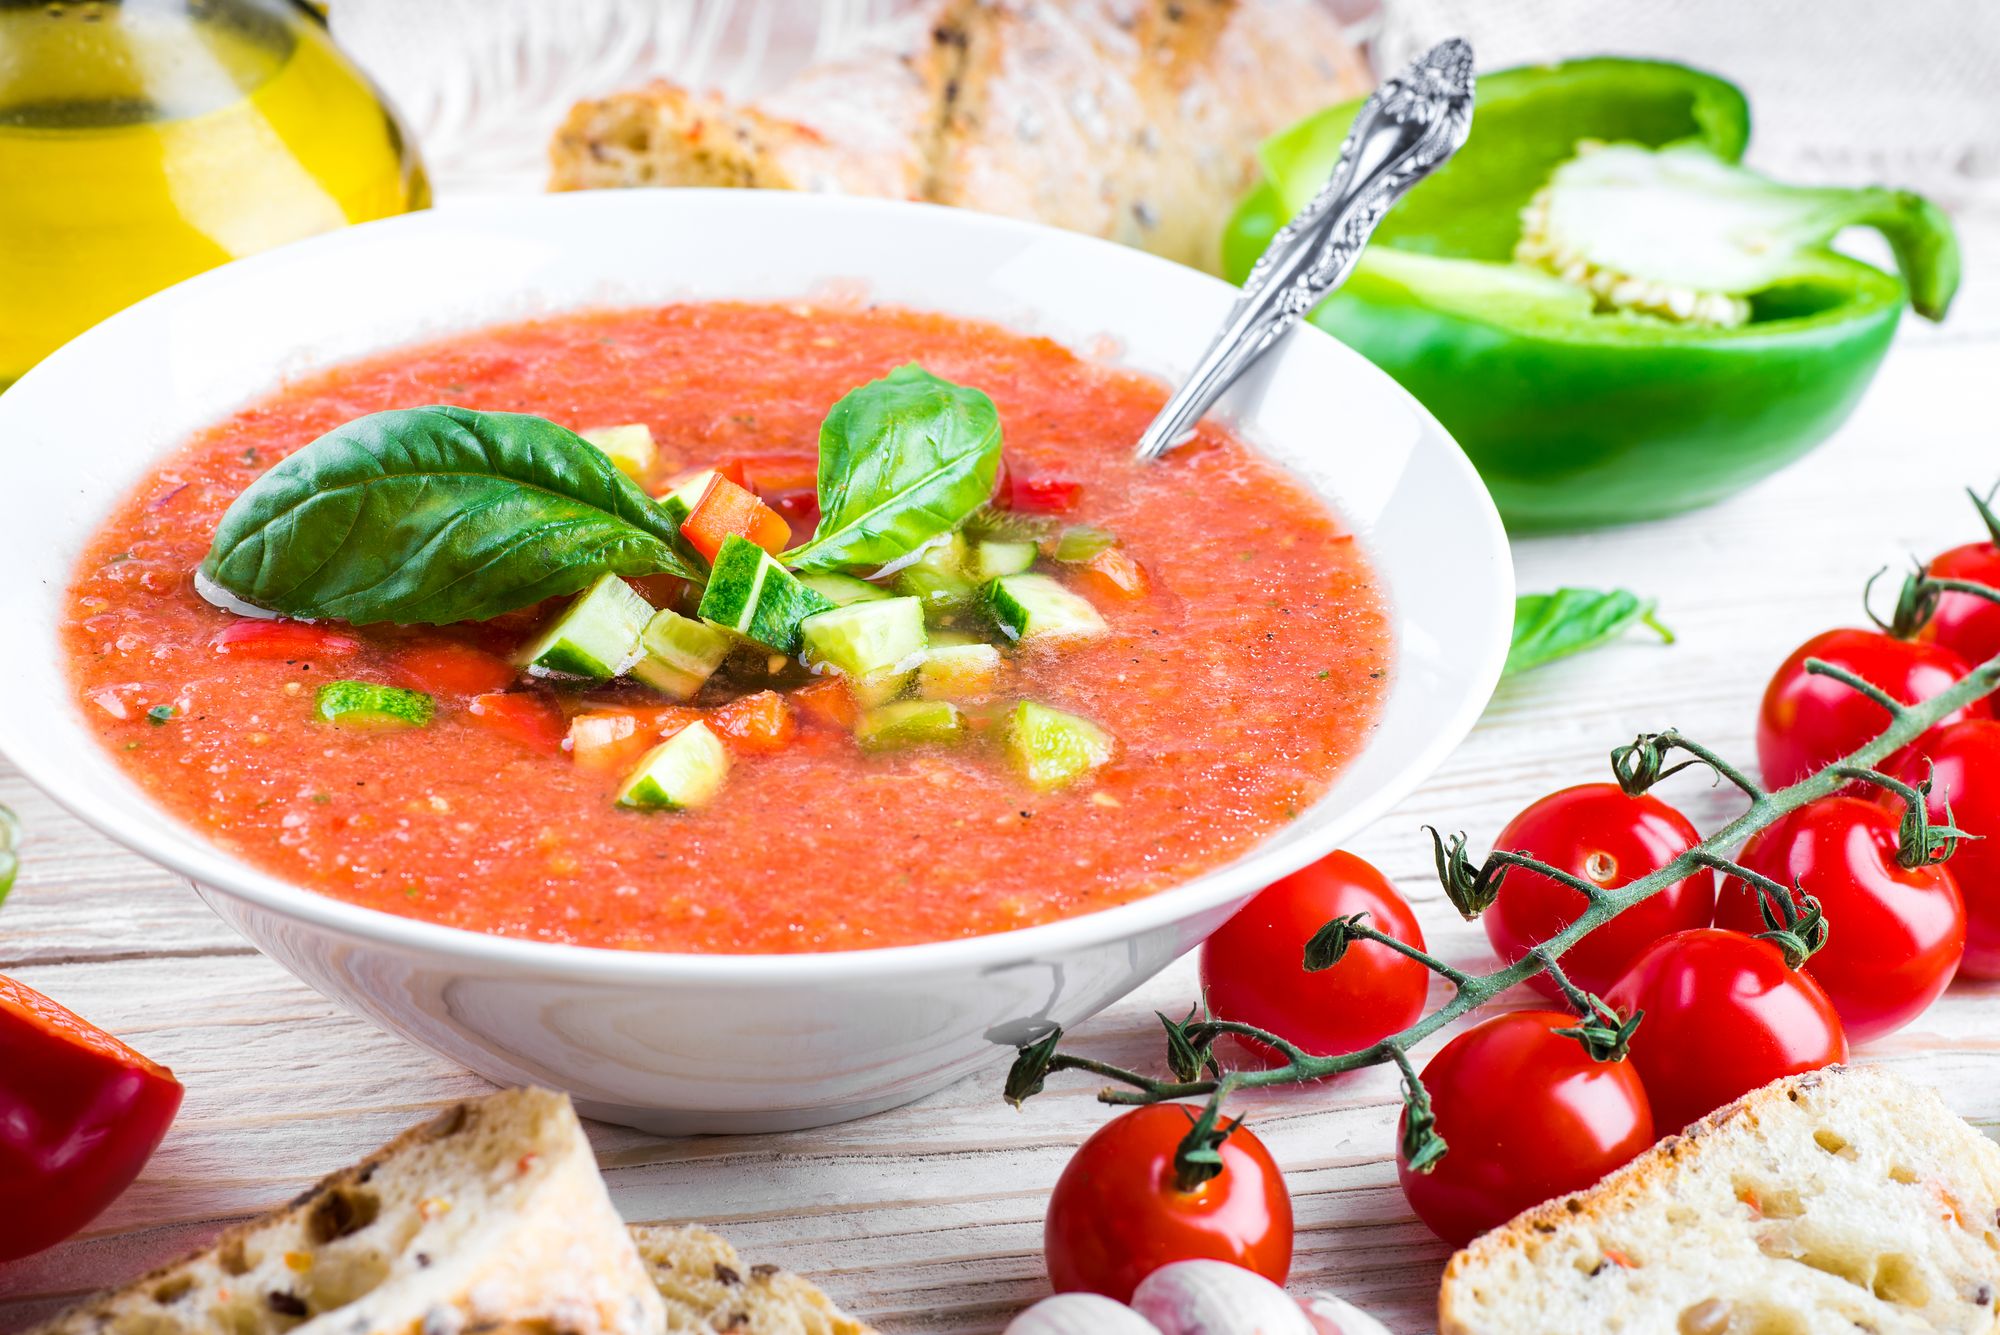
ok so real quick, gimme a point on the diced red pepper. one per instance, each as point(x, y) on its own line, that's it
point(770, 473)
point(1040, 495)
point(756, 723)
point(287, 640)
point(727, 508)
point(829, 701)
point(80, 1113)
point(528, 717)
point(1113, 576)
point(447, 668)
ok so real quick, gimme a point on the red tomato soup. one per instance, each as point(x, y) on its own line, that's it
point(1238, 676)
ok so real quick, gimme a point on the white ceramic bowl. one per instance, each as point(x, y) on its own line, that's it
point(722, 1043)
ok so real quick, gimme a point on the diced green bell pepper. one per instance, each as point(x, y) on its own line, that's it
point(1576, 411)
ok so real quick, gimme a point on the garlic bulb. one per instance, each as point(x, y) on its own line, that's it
point(1216, 1298)
point(1337, 1316)
point(1080, 1314)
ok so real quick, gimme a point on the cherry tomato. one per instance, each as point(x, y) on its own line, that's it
point(1894, 933)
point(288, 640)
point(1964, 764)
point(80, 1113)
point(1965, 622)
point(1598, 832)
point(1118, 1212)
point(1724, 1016)
point(1252, 968)
point(1526, 1114)
point(1808, 721)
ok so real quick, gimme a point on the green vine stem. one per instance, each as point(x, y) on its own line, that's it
point(1795, 922)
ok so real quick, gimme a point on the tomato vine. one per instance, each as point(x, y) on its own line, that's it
point(1797, 928)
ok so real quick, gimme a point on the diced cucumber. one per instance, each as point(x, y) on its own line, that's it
point(682, 772)
point(368, 704)
point(863, 640)
point(597, 636)
point(842, 590)
point(1051, 749)
point(911, 723)
point(1035, 607)
point(942, 591)
point(679, 653)
point(1081, 542)
point(991, 560)
point(945, 639)
point(630, 446)
point(681, 501)
point(881, 687)
point(959, 672)
point(750, 593)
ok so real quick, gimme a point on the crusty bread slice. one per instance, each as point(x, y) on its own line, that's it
point(491, 1215)
point(707, 1289)
point(1844, 1200)
point(1136, 120)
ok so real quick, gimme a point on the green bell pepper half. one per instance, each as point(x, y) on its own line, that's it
point(1579, 417)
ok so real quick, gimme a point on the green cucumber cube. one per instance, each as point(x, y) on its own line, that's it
point(681, 501)
point(368, 704)
point(596, 637)
point(630, 446)
point(842, 590)
point(938, 576)
point(881, 687)
point(865, 640)
point(1081, 542)
point(911, 723)
point(991, 559)
point(679, 653)
point(959, 672)
point(750, 593)
point(1036, 607)
point(1052, 749)
point(681, 773)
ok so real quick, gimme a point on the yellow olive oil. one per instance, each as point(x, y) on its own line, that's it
point(144, 141)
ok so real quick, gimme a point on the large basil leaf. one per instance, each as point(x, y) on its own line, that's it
point(1548, 626)
point(436, 515)
point(901, 460)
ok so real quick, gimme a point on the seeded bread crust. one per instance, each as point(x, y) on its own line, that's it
point(1136, 120)
point(1842, 1201)
point(489, 1218)
point(709, 1290)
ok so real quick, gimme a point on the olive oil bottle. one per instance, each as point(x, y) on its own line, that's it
point(142, 141)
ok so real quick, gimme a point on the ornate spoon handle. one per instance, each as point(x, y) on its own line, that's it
point(1413, 123)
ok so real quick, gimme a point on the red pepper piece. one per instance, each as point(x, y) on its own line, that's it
point(288, 640)
point(756, 723)
point(726, 508)
point(528, 717)
point(446, 668)
point(80, 1113)
point(1042, 495)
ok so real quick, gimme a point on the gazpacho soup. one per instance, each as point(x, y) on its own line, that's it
point(726, 628)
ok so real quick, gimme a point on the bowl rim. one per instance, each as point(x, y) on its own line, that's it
point(209, 869)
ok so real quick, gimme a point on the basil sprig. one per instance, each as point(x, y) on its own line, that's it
point(902, 460)
point(436, 515)
point(1548, 626)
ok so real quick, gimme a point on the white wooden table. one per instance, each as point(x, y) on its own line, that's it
point(928, 1218)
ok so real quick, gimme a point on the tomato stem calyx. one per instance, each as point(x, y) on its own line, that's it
point(1198, 1158)
point(1919, 843)
point(1642, 763)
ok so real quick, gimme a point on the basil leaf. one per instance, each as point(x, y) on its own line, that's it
point(901, 460)
point(10, 839)
point(1548, 626)
point(437, 515)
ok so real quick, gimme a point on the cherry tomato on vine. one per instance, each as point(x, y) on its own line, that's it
point(1600, 833)
point(1526, 1114)
point(1894, 933)
point(1964, 621)
point(1119, 1212)
point(1252, 969)
point(1724, 1014)
point(1963, 762)
point(1809, 721)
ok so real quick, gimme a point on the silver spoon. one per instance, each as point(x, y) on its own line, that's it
point(1414, 122)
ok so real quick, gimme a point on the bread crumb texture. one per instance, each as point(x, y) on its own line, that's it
point(1846, 1200)
point(490, 1216)
point(708, 1288)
